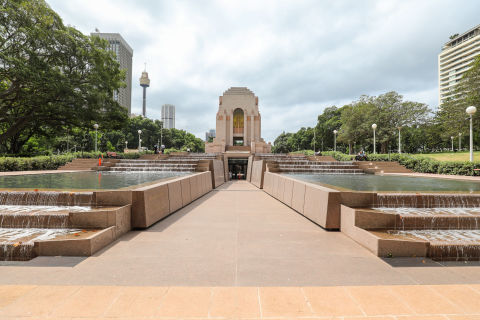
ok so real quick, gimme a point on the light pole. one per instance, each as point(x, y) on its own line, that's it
point(139, 140)
point(335, 140)
point(471, 111)
point(374, 127)
point(459, 141)
point(126, 144)
point(95, 126)
point(399, 140)
point(452, 142)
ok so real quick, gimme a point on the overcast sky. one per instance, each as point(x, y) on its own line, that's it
point(297, 56)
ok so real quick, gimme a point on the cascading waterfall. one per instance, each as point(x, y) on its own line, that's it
point(45, 198)
point(427, 200)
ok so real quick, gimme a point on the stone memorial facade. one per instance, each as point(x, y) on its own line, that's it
point(238, 125)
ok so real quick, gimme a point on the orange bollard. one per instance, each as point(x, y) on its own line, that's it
point(99, 162)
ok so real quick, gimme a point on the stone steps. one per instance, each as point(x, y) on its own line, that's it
point(80, 164)
point(151, 169)
point(26, 234)
point(323, 171)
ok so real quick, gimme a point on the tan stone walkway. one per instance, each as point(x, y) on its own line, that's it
point(237, 253)
point(454, 302)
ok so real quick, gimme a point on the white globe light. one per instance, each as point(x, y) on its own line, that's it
point(139, 131)
point(374, 126)
point(459, 134)
point(335, 131)
point(95, 126)
point(471, 110)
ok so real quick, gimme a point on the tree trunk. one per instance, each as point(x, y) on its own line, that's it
point(384, 147)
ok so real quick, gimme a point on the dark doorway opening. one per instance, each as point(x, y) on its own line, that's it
point(237, 168)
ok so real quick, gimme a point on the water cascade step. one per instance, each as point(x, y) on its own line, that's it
point(301, 164)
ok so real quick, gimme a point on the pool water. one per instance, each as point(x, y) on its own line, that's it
point(86, 180)
point(370, 182)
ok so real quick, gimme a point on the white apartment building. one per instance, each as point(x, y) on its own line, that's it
point(456, 58)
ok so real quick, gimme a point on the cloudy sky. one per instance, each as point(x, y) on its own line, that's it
point(297, 56)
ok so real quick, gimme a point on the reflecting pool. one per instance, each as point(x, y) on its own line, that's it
point(370, 182)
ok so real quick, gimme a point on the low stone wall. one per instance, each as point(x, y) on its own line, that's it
point(218, 173)
point(154, 202)
point(257, 175)
point(317, 203)
point(354, 221)
point(249, 168)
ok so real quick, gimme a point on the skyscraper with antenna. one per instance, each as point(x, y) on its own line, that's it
point(145, 83)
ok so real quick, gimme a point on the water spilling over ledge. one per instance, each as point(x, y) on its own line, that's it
point(449, 211)
point(438, 236)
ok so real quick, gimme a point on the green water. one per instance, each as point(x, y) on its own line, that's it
point(370, 182)
point(90, 180)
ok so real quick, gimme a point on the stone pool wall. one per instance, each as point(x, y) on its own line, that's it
point(154, 202)
point(258, 169)
point(317, 203)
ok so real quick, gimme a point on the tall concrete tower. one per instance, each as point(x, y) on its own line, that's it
point(145, 83)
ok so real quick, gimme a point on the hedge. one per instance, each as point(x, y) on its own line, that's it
point(51, 162)
point(418, 164)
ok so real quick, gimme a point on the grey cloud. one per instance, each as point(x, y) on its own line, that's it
point(297, 56)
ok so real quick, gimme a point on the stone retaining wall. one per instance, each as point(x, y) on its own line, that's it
point(154, 202)
point(317, 203)
point(257, 175)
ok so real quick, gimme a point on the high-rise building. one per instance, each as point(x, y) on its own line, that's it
point(123, 53)
point(456, 57)
point(168, 116)
point(209, 134)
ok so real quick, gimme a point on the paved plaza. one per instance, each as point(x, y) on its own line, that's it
point(237, 252)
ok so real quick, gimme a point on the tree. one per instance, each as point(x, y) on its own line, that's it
point(328, 121)
point(52, 77)
point(280, 145)
point(355, 122)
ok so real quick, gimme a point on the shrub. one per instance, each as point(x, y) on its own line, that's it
point(51, 162)
point(418, 164)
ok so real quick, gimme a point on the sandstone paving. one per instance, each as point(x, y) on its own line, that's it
point(346, 302)
point(238, 253)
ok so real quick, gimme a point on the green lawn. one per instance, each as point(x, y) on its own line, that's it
point(451, 156)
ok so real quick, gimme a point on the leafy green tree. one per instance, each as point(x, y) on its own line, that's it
point(52, 76)
point(280, 145)
point(328, 121)
point(355, 122)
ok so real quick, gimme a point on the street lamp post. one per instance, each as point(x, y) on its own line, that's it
point(374, 127)
point(471, 111)
point(452, 142)
point(459, 141)
point(335, 140)
point(139, 140)
point(95, 126)
point(126, 144)
point(399, 140)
